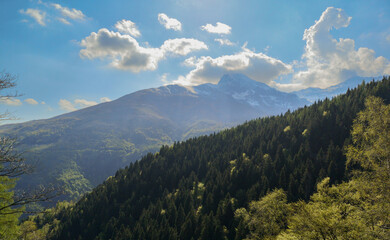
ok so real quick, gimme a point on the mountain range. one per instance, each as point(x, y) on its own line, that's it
point(80, 149)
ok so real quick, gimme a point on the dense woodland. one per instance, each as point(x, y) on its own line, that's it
point(208, 187)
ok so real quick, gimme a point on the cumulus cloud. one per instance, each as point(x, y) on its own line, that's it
point(127, 27)
point(257, 66)
point(219, 28)
point(38, 15)
point(31, 101)
point(73, 13)
point(329, 61)
point(124, 50)
point(10, 101)
point(182, 46)
point(169, 23)
point(125, 53)
point(66, 105)
point(222, 42)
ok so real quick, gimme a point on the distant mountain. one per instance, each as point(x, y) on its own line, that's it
point(314, 94)
point(82, 148)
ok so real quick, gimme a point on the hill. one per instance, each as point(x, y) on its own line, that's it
point(191, 189)
point(80, 149)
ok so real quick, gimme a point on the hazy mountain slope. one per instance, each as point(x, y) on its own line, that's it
point(314, 94)
point(191, 189)
point(82, 148)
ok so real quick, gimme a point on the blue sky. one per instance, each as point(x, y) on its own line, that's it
point(72, 54)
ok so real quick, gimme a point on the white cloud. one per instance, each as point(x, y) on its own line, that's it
point(38, 15)
point(10, 101)
point(226, 42)
point(73, 13)
point(257, 66)
point(64, 21)
point(388, 38)
point(66, 105)
point(329, 61)
point(127, 27)
point(169, 23)
point(124, 50)
point(31, 101)
point(82, 103)
point(125, 53)
point(182, 46)
point(164, 79)
point(77, 104)
point(43, 102)
point(219, 28)
point(105, 99)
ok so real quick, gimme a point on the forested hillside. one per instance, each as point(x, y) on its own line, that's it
point(80, 149)
point(192, 189)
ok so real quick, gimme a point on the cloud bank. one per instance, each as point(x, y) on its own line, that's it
point(257, 66)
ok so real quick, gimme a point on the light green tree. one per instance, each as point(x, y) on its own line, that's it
point(371, 152)
point(266, 217)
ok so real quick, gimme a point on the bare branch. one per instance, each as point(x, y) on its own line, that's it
point(7, 81)
point(11, 162)
point(42, 194)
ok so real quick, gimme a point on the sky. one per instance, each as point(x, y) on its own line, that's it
point(72, 54)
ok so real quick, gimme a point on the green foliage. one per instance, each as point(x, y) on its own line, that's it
point(73, 181)
point(42, 225)
point(8, 216)
point(371, 138)
point(335, 212)
point(267, 217)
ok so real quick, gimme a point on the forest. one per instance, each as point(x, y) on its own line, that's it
point(320, 172)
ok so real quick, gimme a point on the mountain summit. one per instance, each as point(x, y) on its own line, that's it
point(265, 99)
point(82, 148)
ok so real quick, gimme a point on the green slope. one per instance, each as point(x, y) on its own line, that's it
point(191, 189)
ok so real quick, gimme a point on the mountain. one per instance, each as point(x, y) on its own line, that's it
point(314, 94)
point(80, 149)
point(191, 190)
